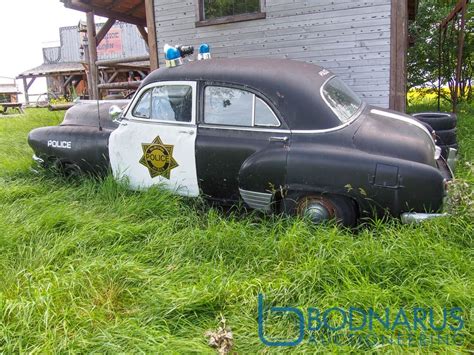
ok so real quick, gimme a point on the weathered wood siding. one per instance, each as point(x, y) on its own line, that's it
point(350, 37)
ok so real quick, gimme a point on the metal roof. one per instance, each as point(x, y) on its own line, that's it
point(53, 68)
point(9, 89)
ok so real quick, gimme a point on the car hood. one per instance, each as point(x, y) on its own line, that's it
point(394, 134)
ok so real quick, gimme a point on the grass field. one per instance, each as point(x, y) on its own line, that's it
point(87, 266)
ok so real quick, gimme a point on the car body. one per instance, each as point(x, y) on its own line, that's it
point(281, 135)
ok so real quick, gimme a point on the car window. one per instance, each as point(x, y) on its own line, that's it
point(264, 116)
point(142, 108)
point(341, 99)
point(234, 107)
point(226, 106)
point(166, 103)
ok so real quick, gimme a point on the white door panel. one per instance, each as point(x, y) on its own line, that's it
point(147, 152)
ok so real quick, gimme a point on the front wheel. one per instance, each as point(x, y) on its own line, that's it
point(322, 208)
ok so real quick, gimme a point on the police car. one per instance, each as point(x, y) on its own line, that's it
point(282, 136)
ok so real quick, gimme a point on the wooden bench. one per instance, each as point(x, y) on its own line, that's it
point(12, 105)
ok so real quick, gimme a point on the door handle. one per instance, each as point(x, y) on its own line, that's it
point(186, 132)
point(278, 139)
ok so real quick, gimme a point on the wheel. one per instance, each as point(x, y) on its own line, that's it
point(439, 121)
point(447, 137)
point(322, 208)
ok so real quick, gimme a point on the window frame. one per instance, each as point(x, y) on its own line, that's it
point(202, 21)
point(255, 95)
point(136, 99)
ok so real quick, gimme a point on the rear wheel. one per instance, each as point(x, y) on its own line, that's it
point(322, 208)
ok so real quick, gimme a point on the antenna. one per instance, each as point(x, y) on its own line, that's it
point(98, 115)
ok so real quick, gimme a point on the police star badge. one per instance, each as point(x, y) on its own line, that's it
point(158, 158)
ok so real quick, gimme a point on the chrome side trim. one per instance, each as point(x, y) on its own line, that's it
point(251, 129)
point(404, 119)
point(256, 200)
point(37, 160)
point(412, 217)
point(451, 161)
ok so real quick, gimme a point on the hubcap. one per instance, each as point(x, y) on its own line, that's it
point(317, 209)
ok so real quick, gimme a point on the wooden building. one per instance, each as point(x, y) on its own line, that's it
point(9, 93)
point(363, 41)
point(66, 66)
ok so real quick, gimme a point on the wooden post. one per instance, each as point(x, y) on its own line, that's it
point(152, 41)
point(91, 38)
point(398, 55)
point(459, 55)
point(27, 97)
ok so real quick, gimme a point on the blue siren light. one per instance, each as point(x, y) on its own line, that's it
point(172, 56)
point(204, 52)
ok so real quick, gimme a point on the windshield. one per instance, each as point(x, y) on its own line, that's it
point(343, 101)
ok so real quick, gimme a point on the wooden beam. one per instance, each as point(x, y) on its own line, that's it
point(143, 33)
point(30, 83)
point(91, 36)
point(81, 5)
point(104, 30)
point(26, 87)
point(68, 81)
point(152, 40)
point(121, 85)
point(112, 62)
point(398, 55)
point(112, 77)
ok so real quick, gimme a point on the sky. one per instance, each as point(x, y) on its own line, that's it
point(26, 27)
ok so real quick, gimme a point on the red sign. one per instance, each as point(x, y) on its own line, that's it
point(112, 43)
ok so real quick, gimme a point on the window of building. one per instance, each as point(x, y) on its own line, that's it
point(213, 12)
point(165, 103)
point(234, 107)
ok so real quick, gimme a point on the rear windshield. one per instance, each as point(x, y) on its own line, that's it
point(343, 101)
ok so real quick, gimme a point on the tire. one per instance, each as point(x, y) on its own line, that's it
point(322, 208)
point(447, 137)
point(439, 121)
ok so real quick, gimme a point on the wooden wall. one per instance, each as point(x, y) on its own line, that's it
point(350, 37)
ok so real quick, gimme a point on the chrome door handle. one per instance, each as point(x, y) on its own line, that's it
point(187, 132)
point(278, 139)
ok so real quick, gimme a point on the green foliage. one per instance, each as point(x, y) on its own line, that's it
point(423, 69)
point(89, 266)
point(221, 8)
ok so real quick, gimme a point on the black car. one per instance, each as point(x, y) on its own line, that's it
point(281, 135)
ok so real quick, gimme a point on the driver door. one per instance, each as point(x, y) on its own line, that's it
point(155, 142)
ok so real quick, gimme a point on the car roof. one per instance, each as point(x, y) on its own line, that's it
point(291, 87)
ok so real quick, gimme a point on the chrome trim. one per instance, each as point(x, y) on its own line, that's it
point(451, 160)
point(413, 217)
point(403, 119)
point(239, 128)
point(254, 100)
point(257, 200)
point(37, 159)
point(437, 152)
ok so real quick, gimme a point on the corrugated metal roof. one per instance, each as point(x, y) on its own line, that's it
point(9, 89)
point(53, 68)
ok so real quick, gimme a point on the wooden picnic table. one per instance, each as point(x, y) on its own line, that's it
point(12, 105)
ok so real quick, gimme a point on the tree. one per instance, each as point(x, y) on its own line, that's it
point(423, 56)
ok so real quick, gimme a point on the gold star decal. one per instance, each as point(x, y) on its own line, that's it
point(158, 158)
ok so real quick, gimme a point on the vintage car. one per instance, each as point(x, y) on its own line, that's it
point(282, 136)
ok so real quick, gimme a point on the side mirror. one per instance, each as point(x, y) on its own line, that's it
point(115, 113)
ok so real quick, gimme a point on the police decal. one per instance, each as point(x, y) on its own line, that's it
point(158, 158)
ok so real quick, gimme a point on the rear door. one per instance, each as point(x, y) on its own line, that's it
point(155, 142)
point(241, 147)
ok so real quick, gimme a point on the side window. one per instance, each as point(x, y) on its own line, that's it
point(264, 116)
point(166, 103)
point(234, 107)
point(228, 106)
point(143, 107)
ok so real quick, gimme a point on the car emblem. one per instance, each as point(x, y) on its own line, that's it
point(158, 158)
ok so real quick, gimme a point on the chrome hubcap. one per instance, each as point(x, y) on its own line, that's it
point(316, 212)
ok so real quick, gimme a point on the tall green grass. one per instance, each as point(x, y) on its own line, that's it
point(90, 266)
